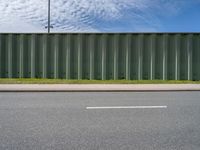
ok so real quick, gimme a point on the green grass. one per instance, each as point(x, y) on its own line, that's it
point(63, 81)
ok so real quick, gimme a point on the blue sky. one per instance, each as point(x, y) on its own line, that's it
point(188, 19)
point(101, 15)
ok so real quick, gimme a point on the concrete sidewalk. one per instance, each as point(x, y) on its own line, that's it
point(97, 87)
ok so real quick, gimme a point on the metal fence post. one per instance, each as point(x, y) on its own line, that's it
point(177, 57)
point(32, 56)
point(79, 57)
point(44, 55)
point(21, 56)
point(165, 39)
point(67, 63)
point(128, 57)
point(103, 61)
point(140, 56)
point(56, 47)
point(152, 74)
point(189, 53)
point(10, 55)
point(116, 51)
point(91, 51)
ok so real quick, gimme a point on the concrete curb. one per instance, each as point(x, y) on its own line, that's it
point(98, 87)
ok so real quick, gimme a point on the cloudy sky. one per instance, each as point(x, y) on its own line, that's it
point(101, 15)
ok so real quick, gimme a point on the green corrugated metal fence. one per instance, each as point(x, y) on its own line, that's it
point(131, 56)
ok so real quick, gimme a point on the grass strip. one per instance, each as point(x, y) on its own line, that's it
point(64, 81)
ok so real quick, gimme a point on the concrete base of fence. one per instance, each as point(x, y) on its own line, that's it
point(98, 87)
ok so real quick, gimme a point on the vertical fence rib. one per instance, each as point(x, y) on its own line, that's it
point(10, 56)
point(44, 59)
point(198, 73)
point(21, 57)
point(67, 63)
point(115, 45)
point(165, 40)
point(128, 57)
point(103, 61)
point(177, 57)
point(189, 52)
point(0, 56)
point(33, 56)
point(79, 57)
point(152, 57)
point(91, 50)
point(56, 46)
point(140, 56)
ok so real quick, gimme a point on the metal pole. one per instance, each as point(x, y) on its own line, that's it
point(49, 21)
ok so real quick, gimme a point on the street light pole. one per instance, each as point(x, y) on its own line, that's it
point(49, 13)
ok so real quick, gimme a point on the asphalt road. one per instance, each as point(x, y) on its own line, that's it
point(100, 121)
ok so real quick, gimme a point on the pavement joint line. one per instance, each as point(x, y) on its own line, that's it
point(127, 107)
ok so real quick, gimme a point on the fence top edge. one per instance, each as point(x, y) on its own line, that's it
point(146, 33)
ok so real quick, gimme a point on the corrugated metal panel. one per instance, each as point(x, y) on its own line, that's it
point(130, 56)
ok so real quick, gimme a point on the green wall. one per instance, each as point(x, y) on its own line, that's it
point(131, 56)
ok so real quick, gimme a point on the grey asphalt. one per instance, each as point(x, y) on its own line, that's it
point(60, 121)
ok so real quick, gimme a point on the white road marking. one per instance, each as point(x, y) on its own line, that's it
point(128, 107)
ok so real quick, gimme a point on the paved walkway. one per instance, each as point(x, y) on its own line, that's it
point(97, 87)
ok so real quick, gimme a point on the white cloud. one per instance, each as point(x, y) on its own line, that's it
point(83, 15)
